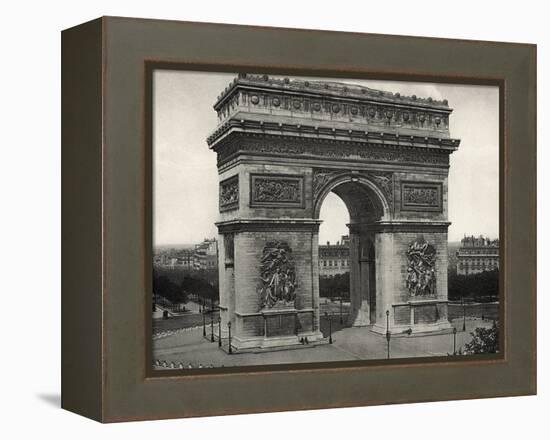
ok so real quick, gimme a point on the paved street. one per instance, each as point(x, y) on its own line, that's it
point(190, 348)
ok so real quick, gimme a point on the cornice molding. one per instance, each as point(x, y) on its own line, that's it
point(401, 226)
point(268, 224)
point(324, 131)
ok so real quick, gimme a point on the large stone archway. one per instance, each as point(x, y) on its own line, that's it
point(364, 197)
point(282, 146)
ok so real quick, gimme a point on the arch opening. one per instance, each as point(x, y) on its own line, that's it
point(347, 268)
point(363, 198)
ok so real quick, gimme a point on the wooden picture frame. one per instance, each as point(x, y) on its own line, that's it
point(106, 213)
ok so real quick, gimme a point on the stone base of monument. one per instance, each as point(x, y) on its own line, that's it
point(277, 343)
point(423, 329)
point(362, 318)
point(279, 327)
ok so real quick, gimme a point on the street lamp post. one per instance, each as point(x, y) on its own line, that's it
point(229, 329)
point(388, 333)
point(219, 331)
point(341, 316)
point(463, 314)
point(203, 324)
point(211, 325)
point(329, 327)
point(454, 340)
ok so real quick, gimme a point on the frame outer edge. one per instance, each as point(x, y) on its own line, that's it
point(81, 214)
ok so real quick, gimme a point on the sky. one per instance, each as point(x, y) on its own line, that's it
point(185, 178)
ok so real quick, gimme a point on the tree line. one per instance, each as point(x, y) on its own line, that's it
point(178, 287)
point(334, 286)
point(479, 287)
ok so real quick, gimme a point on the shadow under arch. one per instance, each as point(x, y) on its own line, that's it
point(362, 196)
point(366, 204)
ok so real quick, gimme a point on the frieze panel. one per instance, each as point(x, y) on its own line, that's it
point(416, 156)
point(229, 193)
point(421, 276)
point(276, 190)
point(421, 196)
point(365, 151)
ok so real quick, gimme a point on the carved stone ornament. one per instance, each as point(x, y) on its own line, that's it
point(328, 149)
point(421, 196)
point(321, 177)
point(273, 190)
point(421, 279)
point(383, 180)
point(365, 152)
point(277, 276)
point(229, 193)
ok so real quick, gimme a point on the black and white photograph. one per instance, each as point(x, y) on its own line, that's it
point(308, 220)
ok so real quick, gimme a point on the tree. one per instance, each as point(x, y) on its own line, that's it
point(200, 287)
point(479, 287)
point(485, 340)
point(334, 286)
point(169, 290)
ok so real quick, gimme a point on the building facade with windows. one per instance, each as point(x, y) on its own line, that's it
point(476, 255)
point(175, 259)
point(334, 258)
point(206, 255)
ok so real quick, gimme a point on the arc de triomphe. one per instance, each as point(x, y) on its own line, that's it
point(282, 145)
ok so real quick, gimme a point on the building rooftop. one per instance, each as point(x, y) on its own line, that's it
point(480, 241)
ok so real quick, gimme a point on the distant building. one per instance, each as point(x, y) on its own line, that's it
point(206, 255)
point(476, 255)
point(175, 259)
point(185, 260)
point(334, 258)
point(161, 260)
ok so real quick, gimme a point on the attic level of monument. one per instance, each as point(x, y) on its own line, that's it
point(304, 116)
point(327, 89)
